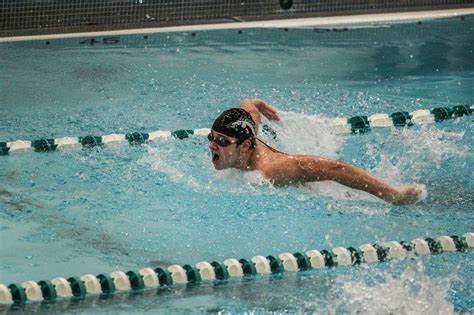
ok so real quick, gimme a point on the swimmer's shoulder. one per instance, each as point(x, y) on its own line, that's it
point(281, 169)
point(268, 147)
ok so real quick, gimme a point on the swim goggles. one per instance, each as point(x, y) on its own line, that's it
point(220, 140)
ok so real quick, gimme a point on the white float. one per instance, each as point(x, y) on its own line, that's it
point(469, 237)
point(380, 120)
point(202, 132)
point(121, 280)
point(343, 256)
point(178, 274)
point(316, 259)
point(447, 243)
point(160, 134)
point(422, 116)
point(62, 286)
point(396, 250)
point(33, 291)
point(234, 268)
point(92, 284)
point(5, 295)
point(340, 125)
point(289, 262)
point(370, 253)
point(206, 270)
point(19, 146)
point(261, 264)
point(113, 139)
point(421, 247)
point(150, 278)
point(67, 143)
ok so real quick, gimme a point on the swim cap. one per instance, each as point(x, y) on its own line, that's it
point(235, 122)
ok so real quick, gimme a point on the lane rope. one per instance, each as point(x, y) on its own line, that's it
point(147, 278)
point(356, 124)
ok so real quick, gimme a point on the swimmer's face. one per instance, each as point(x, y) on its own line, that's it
point(224, 150)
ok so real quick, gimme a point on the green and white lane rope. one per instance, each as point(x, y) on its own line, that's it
point(147, 278)
point(356, 124)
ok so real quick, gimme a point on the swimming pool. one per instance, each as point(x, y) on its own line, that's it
point(98, 210)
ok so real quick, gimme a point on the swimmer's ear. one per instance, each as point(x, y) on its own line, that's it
point(246, 145)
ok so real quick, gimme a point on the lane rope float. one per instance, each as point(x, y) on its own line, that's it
point(148, 278)
point(356, 124)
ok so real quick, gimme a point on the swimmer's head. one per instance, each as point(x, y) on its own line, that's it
point(236, 123)
point(232, 138)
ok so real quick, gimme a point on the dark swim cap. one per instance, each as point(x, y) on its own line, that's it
point(235, 122)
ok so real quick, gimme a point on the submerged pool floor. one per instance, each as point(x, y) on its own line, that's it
point(117, 208)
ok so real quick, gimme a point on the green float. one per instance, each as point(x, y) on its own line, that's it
point(460, 243)
point(3, 148)
point(44, 145)
point(137, 138)
point(182, 134)
point(356, 255)
point(18, 293)
point(442, 113)
point(401, 119)
point(329, 258)
point(304, 263)
point(106, 283)
point(382, 252)
point(276, 265)
point(220, 270)
point(434, 245)
point(248, 267)
point(194, 277)
point(90, 141)
point(136, 280)
point(77, 287)
point(462, 110)
point(359, 124)
point(48, 290)
point(164, 276)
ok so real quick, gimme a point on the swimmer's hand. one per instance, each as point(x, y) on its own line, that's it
point(267, 110)
point(261, 107)
point(408, 194)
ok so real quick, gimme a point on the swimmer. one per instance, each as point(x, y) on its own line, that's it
point(234, 144)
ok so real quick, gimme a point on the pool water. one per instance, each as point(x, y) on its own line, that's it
point(125, 207)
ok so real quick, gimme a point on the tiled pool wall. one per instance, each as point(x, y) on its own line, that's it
point(36, 17)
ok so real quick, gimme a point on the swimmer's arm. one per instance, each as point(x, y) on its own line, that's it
point(255, 107)
point(313, 168)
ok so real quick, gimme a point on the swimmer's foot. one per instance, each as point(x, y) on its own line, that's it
point(408, 194)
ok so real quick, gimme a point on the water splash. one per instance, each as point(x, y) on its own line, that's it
point(422, 149)
point(299, 133)
point(413, 292)
point(160, 161)
point(237, 181)
point(424, 193)
point(347, 200)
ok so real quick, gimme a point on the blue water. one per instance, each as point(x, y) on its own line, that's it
point(98, 210)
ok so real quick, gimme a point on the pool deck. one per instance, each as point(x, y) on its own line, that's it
point(300, 22)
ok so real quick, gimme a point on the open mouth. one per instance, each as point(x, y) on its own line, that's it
point(215, 157)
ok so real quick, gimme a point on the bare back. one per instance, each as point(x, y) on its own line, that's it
point(279, 167)
point(285, 169)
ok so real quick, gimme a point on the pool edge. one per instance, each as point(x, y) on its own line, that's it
point(299, 22)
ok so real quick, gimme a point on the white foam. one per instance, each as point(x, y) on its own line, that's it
point(367, 203)
point(238, 181)
point(157, 160)
point(424, 193)
point(299, 133)
point(422, 149)
point(411, 293)
point(338, 191)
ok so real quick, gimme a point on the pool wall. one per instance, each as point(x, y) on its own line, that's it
point(39, 17)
